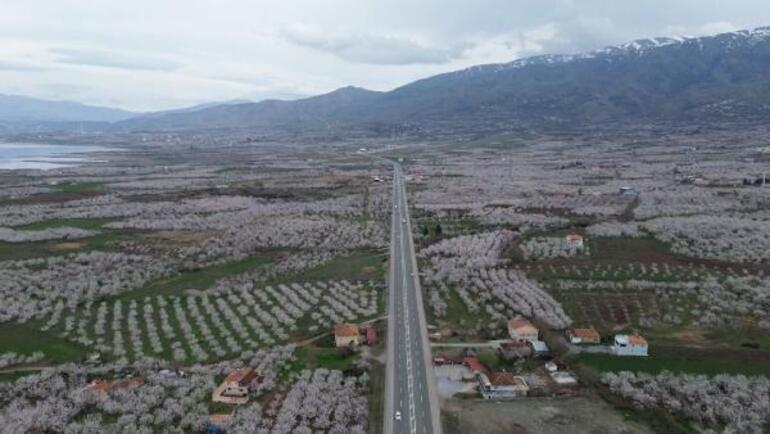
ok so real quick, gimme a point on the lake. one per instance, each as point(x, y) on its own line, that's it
point(39, 156)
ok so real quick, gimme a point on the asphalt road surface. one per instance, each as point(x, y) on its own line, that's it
point(410, 381)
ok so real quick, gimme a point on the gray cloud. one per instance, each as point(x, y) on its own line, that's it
point(375, 49)
point(20, 67)
point(112, 59)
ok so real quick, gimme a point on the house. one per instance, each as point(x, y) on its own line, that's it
point(520, 329)
point(629, 345)
point(473, 364)
point(539, 348)
point(514, 350)
point(346, 335)
point(371, 335)
point(584, 336)
point(218, 422)
point(501, 385)
point(236, 387)
point(574, 240)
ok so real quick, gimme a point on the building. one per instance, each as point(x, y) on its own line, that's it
point(371, 335)
point(218, 423)
point(574, 240)
point(236, 387)
point(502, 385)
point(473, 364)
point(520, 329)
point(584, 336)
point(539, 348)
point(346, 335)
point(629, 345)
point(515, 350)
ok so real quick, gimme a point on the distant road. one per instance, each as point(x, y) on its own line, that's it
point(410, 383)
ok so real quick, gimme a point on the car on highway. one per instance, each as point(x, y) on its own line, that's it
point(397, 416)
point(403, 221)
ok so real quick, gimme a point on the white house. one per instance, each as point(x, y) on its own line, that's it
point(574, 240)
point(629, 345)
point(520, 329)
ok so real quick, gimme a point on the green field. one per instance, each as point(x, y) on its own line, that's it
point(23, 339)
point(682, 359)
point(75, 223)
point(197, 279)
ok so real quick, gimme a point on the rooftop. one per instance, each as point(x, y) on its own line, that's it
point(346, 330)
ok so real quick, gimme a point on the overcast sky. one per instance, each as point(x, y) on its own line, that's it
point(160, 54)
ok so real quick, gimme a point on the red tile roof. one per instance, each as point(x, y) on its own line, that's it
point(473, 364)
point(346, 330)
point(586, 333)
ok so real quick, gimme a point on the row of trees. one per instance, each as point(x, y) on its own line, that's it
point(213, 324)
point(67, 233)
point(550, 247)
point(732, 403)
point(34, 287)
point(471, 265)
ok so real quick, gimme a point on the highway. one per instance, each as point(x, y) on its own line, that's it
point(410, 386)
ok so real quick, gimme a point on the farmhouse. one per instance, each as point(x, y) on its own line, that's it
point(629, 345)
point(574, 240)
point(584, 336)
point(500, 385)
point(514, 350)
point(346, 335)
point(520, 329)
point(236, 387)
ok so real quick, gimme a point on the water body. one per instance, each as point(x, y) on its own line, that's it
point(39, 156)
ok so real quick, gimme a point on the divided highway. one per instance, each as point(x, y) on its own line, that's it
point(411, 401)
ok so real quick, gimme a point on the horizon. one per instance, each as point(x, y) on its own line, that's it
point(199, 53)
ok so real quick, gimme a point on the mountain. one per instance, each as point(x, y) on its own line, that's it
point(726, 76)
point(22, 109)
point(317, 110)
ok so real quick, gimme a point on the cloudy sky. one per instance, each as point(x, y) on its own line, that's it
point(160, 54)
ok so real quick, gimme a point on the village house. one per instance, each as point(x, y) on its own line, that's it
point(584, 336)
point(510, 350)
point(539, 348)
point(501, 385)
point(520, 329)
point(574, 240)
point(629, 345)
point(218, 423)
point(346, 335)
point(370, 334)
point(236, 387)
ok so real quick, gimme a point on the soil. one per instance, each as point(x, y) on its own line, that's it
point(68, 246)
point(576, 415)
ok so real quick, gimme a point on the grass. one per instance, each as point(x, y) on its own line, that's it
point(680, 359)
point(627, 249)
point(197, 279)
point(10, 377)
point(316, 356)
point(362, 265)
point(376, 395)
point(23, 339)
point(37, 249)
point(92, 224)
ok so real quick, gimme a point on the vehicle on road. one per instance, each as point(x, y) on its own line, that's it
point(398, 415)
point(403, 221)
